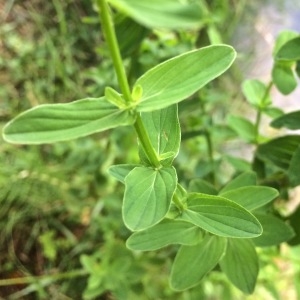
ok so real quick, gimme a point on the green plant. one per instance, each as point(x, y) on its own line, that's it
point(211, 223)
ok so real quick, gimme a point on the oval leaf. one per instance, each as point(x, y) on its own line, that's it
point(243, 127)
point(192, 263)
point(244, 179)
point(178, 78)
point(290, 50)
point(148, 195)
point(51, 123)
point(221, 216)
point(163, 234)
point(251, 197)
point(171, 14)
point(284, 77)
point(164, 132)
point(290, 121)
point(275, 231)
point(240, 264)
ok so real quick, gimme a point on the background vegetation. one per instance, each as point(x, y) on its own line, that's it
point(60, 212)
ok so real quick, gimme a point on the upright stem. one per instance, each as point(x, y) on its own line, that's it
point(258, 115)
point(112, 42)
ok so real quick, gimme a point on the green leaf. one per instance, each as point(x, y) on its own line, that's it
point(251, 197)
point(192, 263)
point(290, 120)
point(243, 127)
point(279, 151)
point(165, 233)
point(178, 78)
point(273, 112)
point(220, 216)
point(148, 195)
point(163, 130)
point(293, 170)
point(283, 37)
point(244, 179)
point(171, 14)
point(240, 264)
point(239, 164)
point(290, 50)
point(294, 222)
point(275, 231)
point(51, 123)
point(198, 185)
point(284, 77)
point(255, 93)
point(121, 171)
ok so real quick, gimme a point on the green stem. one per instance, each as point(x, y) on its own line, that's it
point(259, 111)
point(145, 141)
point(112, 42)
point(53, 277)
point(178, 203)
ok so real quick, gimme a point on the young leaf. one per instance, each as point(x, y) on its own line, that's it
point(148, 195)
point(293, 170)
point(220, 216)
point(164, 133)
point(192, 263)
point(284, 77)
point(244, 179)
point(121, 171)
point(178, 78)
point(283, 37)
point(279, 151)
point(171, 14)
point(255, 93)
point(163, 234)
point(240, 264)
point(251, 197)
point(290, 120)
point(275, 231)
point(51, 123)
point(243, 127)
point(290, 50)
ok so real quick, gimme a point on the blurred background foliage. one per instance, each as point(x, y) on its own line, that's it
point(59, 210)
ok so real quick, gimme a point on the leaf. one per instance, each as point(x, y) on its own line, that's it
point(163, 130)
point(169, 14)
point(192, 263)
point(163, 234)
point(239, 164)
point(220, 216)
point(255, 93)
point(284, 77)
point(121, 171)
point(201, 186)
point(273, 112)
point(283, 37)
point(178, 78)
point(275, 231)
point(251, 197)
point(290, 120)
point(243, 127)
point(290, 50)
point(279, 151)
point(244, 179)
point(148, 195)
point(293, 170)
point(294, 222)
point(51, 123)
point(240, 264)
